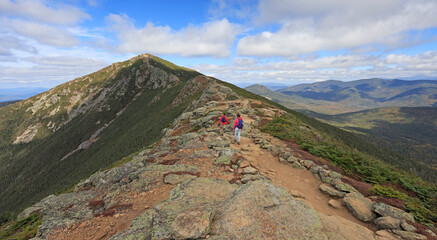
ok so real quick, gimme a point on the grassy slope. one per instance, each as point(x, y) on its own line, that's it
point(31, 171)
point(410, 131)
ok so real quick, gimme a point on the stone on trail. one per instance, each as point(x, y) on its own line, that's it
point(344, 187)
point(360, 207)
point(259, 210)
point(388, 223)
point(334, 203)
point(408, 227)
point(249, 177)
point(250, 170)
point(409, 235)
point(223, 160)
point(175, 179)
point(387, 210)
point(328, 189)
point(297, 165)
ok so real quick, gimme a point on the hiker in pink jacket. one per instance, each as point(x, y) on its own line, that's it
point(238, 126)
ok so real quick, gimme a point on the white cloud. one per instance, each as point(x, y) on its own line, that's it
point(311, 26)
point(211, 39)
point(42, 33)
point(36, 10)
point(341, 67)
point(9, 43)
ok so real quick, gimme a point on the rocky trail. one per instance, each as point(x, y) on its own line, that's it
point(197, 184)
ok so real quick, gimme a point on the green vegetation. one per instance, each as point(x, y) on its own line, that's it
point(23, 229)
point(410, 131)
point(318, 140)
point(29, 172)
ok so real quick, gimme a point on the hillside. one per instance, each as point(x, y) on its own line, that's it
point(54, 139)
point(335, 97)
point(147, 161)
point(410, 131)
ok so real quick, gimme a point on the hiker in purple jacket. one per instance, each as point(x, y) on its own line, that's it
point(238, 126)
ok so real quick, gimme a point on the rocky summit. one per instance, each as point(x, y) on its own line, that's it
point(196, 182)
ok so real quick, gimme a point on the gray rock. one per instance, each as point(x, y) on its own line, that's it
point(328, 189)
point(175, 179)
point(297, 165)
point(223, 160)
point(249, 177)
point(360, 207)
point(308, 164)
point(292, 159)
point(387, 210)
point(333, 174)
point(259, 210)
point(407, 227)
point(334, 203)
point(409, 235)
point(250, 170)
point(344, 187)
point(388, 223)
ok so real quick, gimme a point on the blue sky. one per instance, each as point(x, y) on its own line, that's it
point(44, 43)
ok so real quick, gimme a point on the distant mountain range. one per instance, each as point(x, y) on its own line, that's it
point(398, 114)
point(334, 97)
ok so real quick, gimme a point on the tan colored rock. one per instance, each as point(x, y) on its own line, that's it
point(250, 170)
point(409, 235)
point(297, 194)
point(360, 207)
point(334, 203)
point(338, 228)
point(385, 235)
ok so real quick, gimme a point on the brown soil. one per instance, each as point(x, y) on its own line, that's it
point(116, 219)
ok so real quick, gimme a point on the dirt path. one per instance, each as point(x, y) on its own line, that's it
point(292, 179)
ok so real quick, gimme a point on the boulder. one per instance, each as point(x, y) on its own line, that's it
point(259, 210)
point(297, 165)
point(360, 207)
point(409, 235)
point(407, 227)
point(250, 170)
point(292, 159)
point(328, 189)
point(249, 177)
point(308, 164)
point(223, 160)
point(334, 203)
point(387, 210)
point(388, 223)
point(175, 179)
point(385, 235)
point(344, 187)
point(187, 214)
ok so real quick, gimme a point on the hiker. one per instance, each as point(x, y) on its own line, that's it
point(223, 121)
point(238, 126)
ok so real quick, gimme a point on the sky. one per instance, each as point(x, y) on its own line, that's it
point(44, 43)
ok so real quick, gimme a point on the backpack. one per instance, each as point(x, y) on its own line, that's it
point(223, 119)
point(240, 124)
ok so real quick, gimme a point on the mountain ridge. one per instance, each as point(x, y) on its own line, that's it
point(152, 125)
